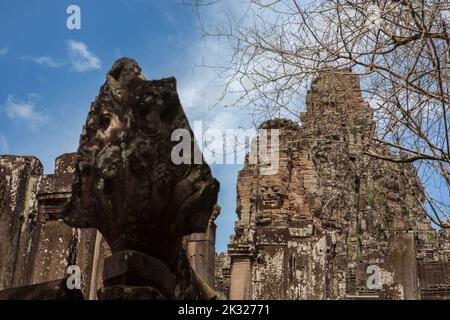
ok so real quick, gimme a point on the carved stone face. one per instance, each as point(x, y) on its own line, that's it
point(271, 195)
point(126, 184)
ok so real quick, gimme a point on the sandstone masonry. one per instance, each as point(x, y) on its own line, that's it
point(36, 246)
point(312, 230)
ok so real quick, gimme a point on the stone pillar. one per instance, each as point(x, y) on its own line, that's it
point(18, 180)
point(95, 266)
point(222, 274)
point(402, 256)
point(241, 276)
point(201, 250)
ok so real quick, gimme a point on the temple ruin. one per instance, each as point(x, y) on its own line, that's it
point(333, 216)
point(36, 246)
point(333, 223)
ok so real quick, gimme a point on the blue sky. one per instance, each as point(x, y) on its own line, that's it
point(50, 74)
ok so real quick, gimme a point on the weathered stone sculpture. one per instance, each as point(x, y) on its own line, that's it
point(128, 188)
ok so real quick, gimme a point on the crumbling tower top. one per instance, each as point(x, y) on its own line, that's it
point(335, 107)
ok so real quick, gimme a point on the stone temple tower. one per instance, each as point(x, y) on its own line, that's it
point(334, 223)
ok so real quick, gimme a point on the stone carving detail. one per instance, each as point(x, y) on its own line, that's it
point(126, 184)
point(311, 230)
point(271, 197)
point(123, 183)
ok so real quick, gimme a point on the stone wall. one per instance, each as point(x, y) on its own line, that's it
point(36, 245)
point(19, 177)
point(222, 274)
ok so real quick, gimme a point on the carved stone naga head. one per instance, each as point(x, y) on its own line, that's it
point(126, 184)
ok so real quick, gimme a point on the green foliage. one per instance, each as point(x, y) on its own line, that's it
point(369, 195)
point(260, 257)
point(380, 200)
point(355, 197)
point(374, 197)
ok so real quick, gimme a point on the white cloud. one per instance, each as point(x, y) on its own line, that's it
point(81, 59)
point(204, 86)
point(28, 111)
point(45, 61)
point(4, 51)
point(201, 88)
